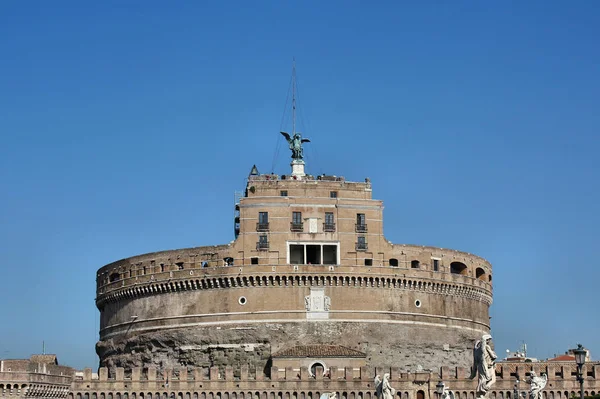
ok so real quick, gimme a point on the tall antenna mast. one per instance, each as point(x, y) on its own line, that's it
point(294, 96)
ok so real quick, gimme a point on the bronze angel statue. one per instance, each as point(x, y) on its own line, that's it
point(295, 143)
point(484, 365)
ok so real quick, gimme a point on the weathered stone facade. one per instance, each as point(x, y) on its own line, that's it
point(310, 266)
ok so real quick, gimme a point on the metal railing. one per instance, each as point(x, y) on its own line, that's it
point(262, 245)
point(361, 228)
point(262, 226)
point(329, 227)
point(296, 226)
point(362, 246)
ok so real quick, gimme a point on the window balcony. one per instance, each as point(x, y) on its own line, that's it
point(262, 245)
point(361, 228)
point(361, 246)
point(297, 227)
point(262, 226)
point(329, 227)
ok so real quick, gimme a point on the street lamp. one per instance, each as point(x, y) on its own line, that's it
point(516, 390)
point(580, 354)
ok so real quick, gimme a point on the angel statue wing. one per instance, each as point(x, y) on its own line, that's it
point(378, 386)
point(287, 136)
point(477, 358)
point(544, 380)
point(305, 141)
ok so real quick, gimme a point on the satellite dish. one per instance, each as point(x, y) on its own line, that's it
point(508, 351)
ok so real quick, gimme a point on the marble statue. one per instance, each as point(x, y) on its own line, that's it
point(446, 393)
point(537, 385)
point(484, 365)
point(383, 389)
point(295, 143)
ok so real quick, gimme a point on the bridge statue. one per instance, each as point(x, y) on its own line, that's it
point(295, 143)
point(537, 385)
point(484, 364)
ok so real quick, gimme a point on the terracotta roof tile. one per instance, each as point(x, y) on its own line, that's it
point(563, 358)
point(318, 351)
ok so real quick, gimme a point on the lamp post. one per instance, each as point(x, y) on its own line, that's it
point(516, 390)
point(580, 354)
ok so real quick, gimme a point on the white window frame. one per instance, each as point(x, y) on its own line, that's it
point(321, 243)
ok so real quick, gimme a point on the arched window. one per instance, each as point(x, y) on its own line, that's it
point(480, 273)
point(458, 268)
point(394, 262)
point(415, 264)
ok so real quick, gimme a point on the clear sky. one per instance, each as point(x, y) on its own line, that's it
point(126, 127)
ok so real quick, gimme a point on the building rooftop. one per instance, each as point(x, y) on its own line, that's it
point(319, 351)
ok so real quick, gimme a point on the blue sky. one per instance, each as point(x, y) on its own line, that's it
point(127, 126)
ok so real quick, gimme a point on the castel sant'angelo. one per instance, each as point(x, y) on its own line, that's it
point(309, 298)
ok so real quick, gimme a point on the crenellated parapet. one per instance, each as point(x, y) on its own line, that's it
point(347, 382)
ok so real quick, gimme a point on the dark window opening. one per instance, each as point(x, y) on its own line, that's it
point(313, 368)
point(114, 277)
point(162, 267)
point(333, 194)
point(436, 265)
point(329, 224)
point(179, 265)
point(297, 221)
point(330, 254)
point(490, 278)
point(144, 270)
point(415, 264)
point(313, 254)
point(254, 261)
point(263, 221)
point(228, 261)
point(263, 242)
point(361, 243)
point(204, 263)
point(458, 268)
point(480, 273)
point(297, 254)
point(368, 262)
point(283, 193)
point(361, 223)
point(394, 262)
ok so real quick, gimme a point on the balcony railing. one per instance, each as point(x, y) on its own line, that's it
point(262, 226)
point(262, 245)
point(296, 226)
point(361, 228)
point(329, 227)
point(361, 246)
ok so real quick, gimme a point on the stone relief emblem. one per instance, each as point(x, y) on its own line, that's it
point(317, 301)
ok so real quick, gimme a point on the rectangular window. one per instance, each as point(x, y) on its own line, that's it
point(296, 217)
point(360, 219)
point(329, 218)
point(361, 243)
point(329, 225)
point(263, 217)
point(283, 193)
point(333, 194)
point(436, 265)
point(263, 242)
point(368, 262)
point(296, 254)
point(179, 265)
point(254, 261)
point(263, 221)
point(361, 223)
